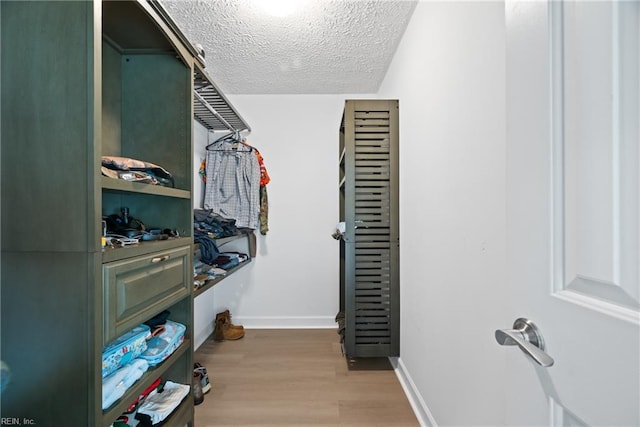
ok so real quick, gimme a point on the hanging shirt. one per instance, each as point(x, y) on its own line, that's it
point(264, 175)
point(264, 202)
point(233, 183)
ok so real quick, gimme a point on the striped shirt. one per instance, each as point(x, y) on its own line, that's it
point(233, 183)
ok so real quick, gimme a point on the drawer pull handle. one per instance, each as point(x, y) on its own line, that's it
point(159, 259)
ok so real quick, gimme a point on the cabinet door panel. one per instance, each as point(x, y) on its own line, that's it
point(136, 289)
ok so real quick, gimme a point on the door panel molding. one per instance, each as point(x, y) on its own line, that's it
point(594, 150)
point(559, 416)
point(589, 302)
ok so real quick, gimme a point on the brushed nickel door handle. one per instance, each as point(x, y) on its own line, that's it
point(526, 335)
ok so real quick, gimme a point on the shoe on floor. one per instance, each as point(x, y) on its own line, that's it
point(196, 389)
point(226, 315)
point(204, 377)
point(224, 331)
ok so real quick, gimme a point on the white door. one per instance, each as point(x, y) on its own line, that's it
point(573, 212)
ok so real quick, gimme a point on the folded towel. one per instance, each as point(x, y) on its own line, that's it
point(159, 405)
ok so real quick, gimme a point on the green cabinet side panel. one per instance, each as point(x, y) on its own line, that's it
point(47, 151)
point(47, 314)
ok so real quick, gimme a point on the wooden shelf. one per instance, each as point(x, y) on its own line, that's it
point(144, 248)
point(219, 242)
point(183, 414)
point(224, 240)
point(142, 188)
point(210, 283)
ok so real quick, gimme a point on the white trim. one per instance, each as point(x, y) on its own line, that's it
point(288, 322)
point(556, 418)
point(613, 310)
point(616, 142)
point(251, 322)
point(420, 408)
point(556, 49)
point(559, 416)
point(603, 290)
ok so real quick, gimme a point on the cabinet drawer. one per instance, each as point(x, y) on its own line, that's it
point(136, 289)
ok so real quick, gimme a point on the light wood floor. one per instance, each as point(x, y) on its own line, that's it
point(295, 378)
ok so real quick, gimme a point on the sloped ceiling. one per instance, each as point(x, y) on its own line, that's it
point(321, 47)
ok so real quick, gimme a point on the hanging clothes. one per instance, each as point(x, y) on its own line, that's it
point(264, 210)
point(202, 170)
point(264, 175)
point(264, 200)
point(232, 189)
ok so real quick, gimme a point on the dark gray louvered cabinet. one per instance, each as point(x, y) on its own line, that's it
point(369, 246)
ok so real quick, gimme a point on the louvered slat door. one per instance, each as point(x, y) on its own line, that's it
point(371, 215)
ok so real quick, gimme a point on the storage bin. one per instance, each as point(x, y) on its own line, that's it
point(123, 349)
point(164, 344)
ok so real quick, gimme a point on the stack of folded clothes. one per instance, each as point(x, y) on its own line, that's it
point(127, 358)
point(227, 260)
point(115, 385)
point(213, 225)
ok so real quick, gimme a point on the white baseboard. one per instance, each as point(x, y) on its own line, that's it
point(289, 322)
point(420, 408)
point(254, 322)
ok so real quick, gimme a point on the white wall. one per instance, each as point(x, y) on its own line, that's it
point(293, 281)
point(448, 74)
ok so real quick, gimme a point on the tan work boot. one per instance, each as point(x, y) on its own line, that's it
point(227, 316)
point(224, 331)
point(218, 334)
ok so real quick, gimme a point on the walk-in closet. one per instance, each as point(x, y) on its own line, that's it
point(319, 213)
point(147, 210)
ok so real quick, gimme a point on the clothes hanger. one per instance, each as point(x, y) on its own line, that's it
point(222, 138)
point(232, 138)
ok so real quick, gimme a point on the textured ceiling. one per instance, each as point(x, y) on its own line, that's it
point(323, 46)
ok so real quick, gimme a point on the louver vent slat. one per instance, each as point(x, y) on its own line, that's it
point(372, 175)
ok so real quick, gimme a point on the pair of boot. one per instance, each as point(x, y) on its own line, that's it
point(225, 330)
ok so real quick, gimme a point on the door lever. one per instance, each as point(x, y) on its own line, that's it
point(527, 336)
